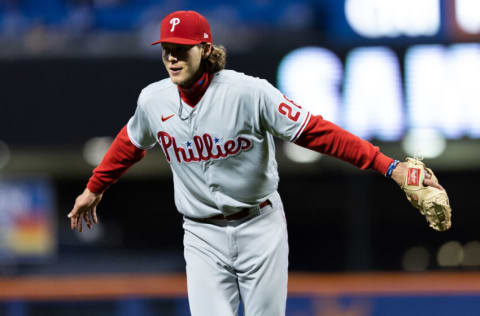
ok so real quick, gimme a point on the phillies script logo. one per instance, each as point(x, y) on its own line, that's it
point(202, 148)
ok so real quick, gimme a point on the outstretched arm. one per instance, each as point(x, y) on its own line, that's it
point(121, 155)
point(286, 119)
point(327, 138)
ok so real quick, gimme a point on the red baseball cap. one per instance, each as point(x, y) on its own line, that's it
point(184, 27)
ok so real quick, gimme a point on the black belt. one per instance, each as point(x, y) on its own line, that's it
point(232, 217)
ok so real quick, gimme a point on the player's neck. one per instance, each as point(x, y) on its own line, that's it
point(195, 92)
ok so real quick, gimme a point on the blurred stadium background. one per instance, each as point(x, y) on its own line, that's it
point(401, 73)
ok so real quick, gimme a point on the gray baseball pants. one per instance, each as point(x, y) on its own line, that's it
point(238, 261)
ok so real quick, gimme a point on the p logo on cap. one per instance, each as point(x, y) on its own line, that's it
point(174, 22)
point(186, 28)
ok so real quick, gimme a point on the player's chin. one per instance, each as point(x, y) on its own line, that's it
point(179, 80)
point(176, 79)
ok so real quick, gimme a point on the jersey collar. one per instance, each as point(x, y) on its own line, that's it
point(192, 95)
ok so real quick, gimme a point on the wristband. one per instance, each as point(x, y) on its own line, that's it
point(391, 168)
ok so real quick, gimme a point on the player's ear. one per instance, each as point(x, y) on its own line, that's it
point(207, 50)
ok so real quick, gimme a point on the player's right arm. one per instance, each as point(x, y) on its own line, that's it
point(121, 155)
point(129, 147)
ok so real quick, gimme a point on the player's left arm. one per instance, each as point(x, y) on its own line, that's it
point(291, 122)
point(417, 181)
point(286, 119)
point(328, 138)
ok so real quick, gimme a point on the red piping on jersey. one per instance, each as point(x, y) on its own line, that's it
point(327, 138)
point(192, 95)
point(303, 125)
point(121, 155)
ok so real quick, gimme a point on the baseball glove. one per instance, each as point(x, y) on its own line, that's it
point(432, 202)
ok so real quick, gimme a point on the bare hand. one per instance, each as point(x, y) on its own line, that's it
point(85, 208)
point(400, 172)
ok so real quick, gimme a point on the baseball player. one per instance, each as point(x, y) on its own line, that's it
point(216, 128)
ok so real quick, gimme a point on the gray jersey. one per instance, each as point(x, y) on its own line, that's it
point(221, 151)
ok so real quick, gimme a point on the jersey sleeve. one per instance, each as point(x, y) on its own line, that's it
point(279, 115)
point(138, 127)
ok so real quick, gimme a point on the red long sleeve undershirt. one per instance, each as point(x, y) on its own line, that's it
point(319, 135)
point(327, 138)
point(121, 155)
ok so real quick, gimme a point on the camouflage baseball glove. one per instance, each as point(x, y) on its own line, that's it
point(432, 202)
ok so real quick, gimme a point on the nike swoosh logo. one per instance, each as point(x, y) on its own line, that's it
point(167, 117)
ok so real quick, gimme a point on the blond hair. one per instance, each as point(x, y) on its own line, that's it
point(216, 60)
